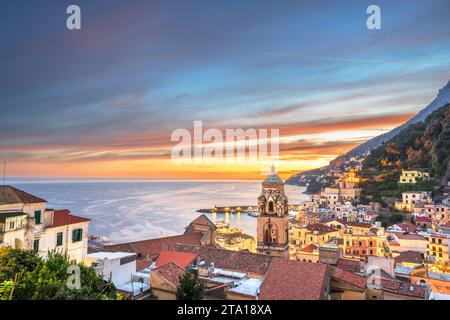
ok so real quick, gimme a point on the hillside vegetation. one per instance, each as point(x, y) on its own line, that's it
point(422, 145)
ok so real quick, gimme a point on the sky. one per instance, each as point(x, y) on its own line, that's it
point(103, 101)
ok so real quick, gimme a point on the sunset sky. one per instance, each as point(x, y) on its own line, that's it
point(103, 101)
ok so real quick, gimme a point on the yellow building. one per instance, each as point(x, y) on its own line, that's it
point(412, 176)
point(352, 176)
point(437, 247)
point(353, 226)
point(318, 234)
point(343, 192)
point(234, 239)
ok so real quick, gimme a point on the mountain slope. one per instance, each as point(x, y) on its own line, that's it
point(442, 99)
point(424, 145)
point(421, 145)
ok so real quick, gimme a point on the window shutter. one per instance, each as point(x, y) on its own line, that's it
point(77, 235)
point(36, 245)
point(59, 239)
point(37, 217)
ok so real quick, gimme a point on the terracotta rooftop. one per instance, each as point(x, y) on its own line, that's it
point(349, 277)
point(349, 265)
point(170, 272)
point(183, 259)
point(407, 226)
point(359, 224)
point(227, 259)
point(9, 194)
point(146, 249)
point(423, 219)
point(294, 280)
point(341, 221)
point(64, 218)
point(142, 264)
point(354, 223)
point(409, 236)
point(410, 257)
point(321, 228)
point(203, 220)
point(310, 248)
point(405, 289)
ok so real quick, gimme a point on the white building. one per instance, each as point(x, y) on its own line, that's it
point(412, 198)
point(120, 269)
point(117, 267)
point(64, 232)
point(25, 223)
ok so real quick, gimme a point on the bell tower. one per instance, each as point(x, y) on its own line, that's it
point(273, 219)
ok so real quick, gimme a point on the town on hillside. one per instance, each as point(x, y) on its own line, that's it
point(341, 244)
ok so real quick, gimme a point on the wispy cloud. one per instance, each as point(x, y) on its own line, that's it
point(114, 92)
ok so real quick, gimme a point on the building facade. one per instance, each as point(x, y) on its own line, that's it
point(26, 223)
point(272, 221)
point(412, 176)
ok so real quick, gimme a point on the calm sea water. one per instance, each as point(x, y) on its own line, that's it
point(130, 210)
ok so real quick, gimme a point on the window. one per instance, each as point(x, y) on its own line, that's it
point(36, 245)
point(271, 206)
point(59, 239)
point(77, 235)
point(11, 225)
point(37, 217)
point(371, 243)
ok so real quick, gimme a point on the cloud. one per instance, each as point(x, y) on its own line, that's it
point(117, 89)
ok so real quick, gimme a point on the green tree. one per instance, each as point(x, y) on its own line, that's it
point(33, 278)
point(190, 287)
point(390, 219)
point(6, 288)
point(13, 261)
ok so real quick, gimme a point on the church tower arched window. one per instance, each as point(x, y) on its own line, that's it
point(270, 233)
point(273, 231)
point(270, 206)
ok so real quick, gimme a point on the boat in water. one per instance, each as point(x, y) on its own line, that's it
point(252, 213)
point(221, 224)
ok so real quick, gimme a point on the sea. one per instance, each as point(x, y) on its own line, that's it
point(124, 210)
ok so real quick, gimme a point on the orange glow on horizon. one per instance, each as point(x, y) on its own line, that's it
point(302, 147)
